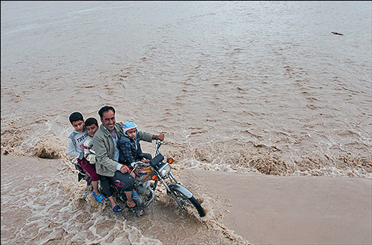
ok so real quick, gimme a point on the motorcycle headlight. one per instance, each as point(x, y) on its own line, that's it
point(164, 169)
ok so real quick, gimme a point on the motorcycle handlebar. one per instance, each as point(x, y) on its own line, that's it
point(157, 146)
point(134, 165)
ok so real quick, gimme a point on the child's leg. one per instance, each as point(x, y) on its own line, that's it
point(90, 169)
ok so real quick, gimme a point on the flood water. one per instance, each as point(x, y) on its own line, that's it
point(248, 87)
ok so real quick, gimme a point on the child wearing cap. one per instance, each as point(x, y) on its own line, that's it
point(129, 145)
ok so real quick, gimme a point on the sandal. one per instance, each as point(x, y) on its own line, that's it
point(117, 209)
point(100, 197)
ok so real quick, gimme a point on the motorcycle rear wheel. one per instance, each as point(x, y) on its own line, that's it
point(183, 201)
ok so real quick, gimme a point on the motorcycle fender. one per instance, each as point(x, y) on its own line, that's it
point(181, 189)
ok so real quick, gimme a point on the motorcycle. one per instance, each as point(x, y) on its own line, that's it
point(147, 177)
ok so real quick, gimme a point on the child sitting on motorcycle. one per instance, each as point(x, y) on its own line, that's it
point(129, 145)
point(75, 148)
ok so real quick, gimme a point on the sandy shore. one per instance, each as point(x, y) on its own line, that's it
point(293, 209)
point(262, 209)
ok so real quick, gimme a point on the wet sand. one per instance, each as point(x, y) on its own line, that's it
point(293, 209)
point(261, 209)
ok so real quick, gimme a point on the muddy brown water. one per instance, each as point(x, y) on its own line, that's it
point(245, 87)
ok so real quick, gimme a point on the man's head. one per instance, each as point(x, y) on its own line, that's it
point(107, 115)
point(77, 121)
point(91, 125)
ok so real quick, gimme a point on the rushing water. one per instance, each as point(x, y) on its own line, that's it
point(234, 86)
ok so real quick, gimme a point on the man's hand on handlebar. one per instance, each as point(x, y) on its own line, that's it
point(158, 137)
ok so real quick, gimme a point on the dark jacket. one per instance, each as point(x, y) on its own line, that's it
point(103, 145)
point(129, 149)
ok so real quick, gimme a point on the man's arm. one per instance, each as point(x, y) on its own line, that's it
point(102, 154)
point(149, 137)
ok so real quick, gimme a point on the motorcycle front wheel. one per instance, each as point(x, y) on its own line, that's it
point(183, 201)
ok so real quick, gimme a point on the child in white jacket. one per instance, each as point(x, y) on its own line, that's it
point(75, 148)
